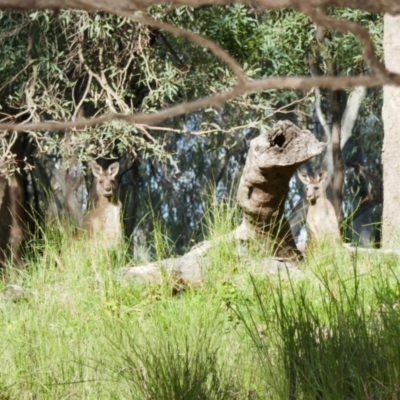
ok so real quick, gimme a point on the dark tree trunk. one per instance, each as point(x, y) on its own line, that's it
point(338, 176)
point(129, 194)
point(13, 206)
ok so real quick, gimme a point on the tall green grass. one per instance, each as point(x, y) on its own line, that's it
point(81, 332)
point(331, 336)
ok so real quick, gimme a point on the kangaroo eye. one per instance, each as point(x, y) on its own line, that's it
point(101, 181)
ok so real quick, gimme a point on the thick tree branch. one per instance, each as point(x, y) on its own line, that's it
point(217, 100)
point(120, 7)
point(375, 6)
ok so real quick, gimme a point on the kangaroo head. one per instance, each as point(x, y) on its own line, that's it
point(105, 183)
point(315, 186)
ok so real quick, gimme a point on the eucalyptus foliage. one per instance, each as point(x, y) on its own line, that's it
point(72, 64)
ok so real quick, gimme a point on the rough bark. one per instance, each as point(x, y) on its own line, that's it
point(391, 144)
point(272, 160)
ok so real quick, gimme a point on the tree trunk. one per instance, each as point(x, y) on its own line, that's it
point(391, 143)
point(338, 176)
point(272, 160)
point(350, 114)
point(13, 218)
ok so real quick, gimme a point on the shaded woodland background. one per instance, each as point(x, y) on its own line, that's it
point(73, 64)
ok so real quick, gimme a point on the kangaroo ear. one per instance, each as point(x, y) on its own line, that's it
point(97, 170)
point(113, 169)
point(303, 177)
point(322, 175)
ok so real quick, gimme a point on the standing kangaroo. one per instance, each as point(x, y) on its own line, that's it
point(104, 221)
point(322, 224)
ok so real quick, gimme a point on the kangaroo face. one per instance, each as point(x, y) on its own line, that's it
point(105, 179)
point(315, 188)
point(313, 191)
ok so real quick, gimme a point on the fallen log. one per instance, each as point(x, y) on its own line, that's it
point(189, 267)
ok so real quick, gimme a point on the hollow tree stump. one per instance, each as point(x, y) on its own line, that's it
point(272, 160)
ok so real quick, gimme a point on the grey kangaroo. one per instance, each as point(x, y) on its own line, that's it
point(322, 224)
point(103, 223)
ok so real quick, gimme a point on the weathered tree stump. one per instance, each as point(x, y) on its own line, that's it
point(272, 160)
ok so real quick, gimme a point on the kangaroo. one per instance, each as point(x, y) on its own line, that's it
point(322, 224)
point(104, 221)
